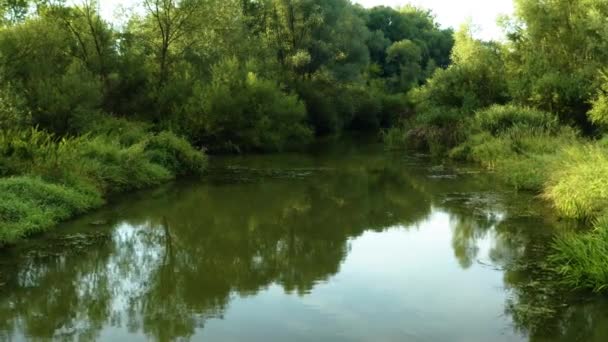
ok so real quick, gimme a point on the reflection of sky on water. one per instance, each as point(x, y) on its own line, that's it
point(403, 283)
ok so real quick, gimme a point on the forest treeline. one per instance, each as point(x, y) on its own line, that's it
point(90, 108)
point(230, 75)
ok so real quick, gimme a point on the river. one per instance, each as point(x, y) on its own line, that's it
point(346, 242)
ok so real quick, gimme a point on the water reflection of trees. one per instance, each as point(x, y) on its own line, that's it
point(177, 256)
point(521, 231)
point(176, 259)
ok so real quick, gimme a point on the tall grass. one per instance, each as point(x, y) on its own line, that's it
point(581, 260)
point(175, 154)
point(31, 205)
point(578, 187)
point(519, 143)
point(530, 150)
point(45, 179)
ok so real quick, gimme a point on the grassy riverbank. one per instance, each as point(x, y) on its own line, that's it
point(529, 150)
point(46, 179)
point(534, 109)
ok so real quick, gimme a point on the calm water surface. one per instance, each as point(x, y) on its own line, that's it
point(349, 244)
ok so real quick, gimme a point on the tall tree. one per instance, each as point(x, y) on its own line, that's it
point(173, 20)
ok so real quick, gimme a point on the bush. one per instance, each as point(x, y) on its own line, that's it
point(326, 112)
point(127, 132)
point(395, 107)
point(242, 112)
point(581, 259)
point(396, 137)
point(519, 143)
point(31, 205)
point(498, 119)
point(114, 168)
point(578, 187)
point(13, 114)
point(33, 151)
point(175, 154)
point(367, 111)
point(60, 178)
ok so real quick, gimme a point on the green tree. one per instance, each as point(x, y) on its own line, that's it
point(557, 48)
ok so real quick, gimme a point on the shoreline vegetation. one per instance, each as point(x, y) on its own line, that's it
point(89, 108)
point(533, 109)
point(54, 180)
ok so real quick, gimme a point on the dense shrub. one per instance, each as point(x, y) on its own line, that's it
point(38, 58)
point(241, 112)
point(30, 205)
point(114, 168)
point(473, 82)
point(175, 154)
point(367, 111)
point(33, 151)
point(326, 112)
point(12, 110)
point(54, 179)
point(518, 142)
point(497, 119)
point(127, 132)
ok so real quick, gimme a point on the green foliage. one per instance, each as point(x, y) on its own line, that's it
point(12, 112)
point(240, 111)
point(499, 119)
point(578, 188)
point(599, 110)
point(326, 111)
point(37, 58)
point(175, 154)
point(520, 143)
point(475, 80)
point(557, 49)
point(444, 105)
point(127, 132)
point(65, 177)
point(406, 57)
point(396, 137)
point(33, 151)
point(114, 168)
point(581, 259)
point(407, 45)
point(30, 205)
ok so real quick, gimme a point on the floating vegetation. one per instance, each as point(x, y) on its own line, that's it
point(248, 175)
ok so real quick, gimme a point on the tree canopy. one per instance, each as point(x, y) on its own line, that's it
point(231, 75)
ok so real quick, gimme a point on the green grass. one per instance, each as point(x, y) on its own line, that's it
point(44, 179)
point(519, 143)
point(396, 137)
point(581, 259)
point(498, 119)
point(30, 205)
point(114, 168)
point(530, 151)
point(578, 186)
point(175, 154)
